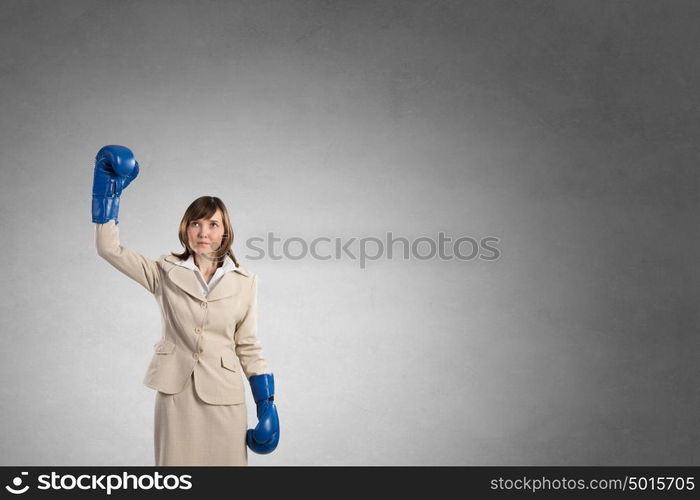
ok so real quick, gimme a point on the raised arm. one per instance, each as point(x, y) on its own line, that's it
point(133, 264)
point(115, 168)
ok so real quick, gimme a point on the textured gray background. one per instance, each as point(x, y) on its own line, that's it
point(567, 129)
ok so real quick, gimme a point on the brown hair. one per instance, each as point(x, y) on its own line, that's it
point(203, 208)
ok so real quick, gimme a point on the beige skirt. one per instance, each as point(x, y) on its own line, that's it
point(188, 431)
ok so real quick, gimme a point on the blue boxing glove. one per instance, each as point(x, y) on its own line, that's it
point(266, 435)
point(115, 168)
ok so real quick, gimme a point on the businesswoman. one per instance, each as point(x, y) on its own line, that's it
point(208, 306)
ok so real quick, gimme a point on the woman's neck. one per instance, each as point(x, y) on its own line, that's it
point(206, 266)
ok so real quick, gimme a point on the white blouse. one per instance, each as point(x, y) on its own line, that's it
point(227, 266)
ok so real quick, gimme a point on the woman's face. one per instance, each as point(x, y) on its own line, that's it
point(205, 235)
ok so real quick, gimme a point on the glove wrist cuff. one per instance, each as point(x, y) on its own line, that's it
point(263, 387)
point(105, 209)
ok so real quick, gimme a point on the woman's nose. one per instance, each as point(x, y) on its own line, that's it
point(204, 234)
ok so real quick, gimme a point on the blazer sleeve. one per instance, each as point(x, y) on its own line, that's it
point(248, 348)
point(134, 265)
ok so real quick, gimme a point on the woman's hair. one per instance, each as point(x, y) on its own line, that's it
point(203, 208)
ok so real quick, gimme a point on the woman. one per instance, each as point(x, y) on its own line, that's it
point(209, 328)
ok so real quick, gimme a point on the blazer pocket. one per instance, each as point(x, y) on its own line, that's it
point(164, 347)
point(229, 361)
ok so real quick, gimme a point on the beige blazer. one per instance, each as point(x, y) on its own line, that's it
point(214, 336)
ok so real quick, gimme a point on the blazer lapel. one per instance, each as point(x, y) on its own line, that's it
point(228, 285)
point(186, 280)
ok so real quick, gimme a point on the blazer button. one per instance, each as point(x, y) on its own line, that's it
point(195, 355)
point(197, 330)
